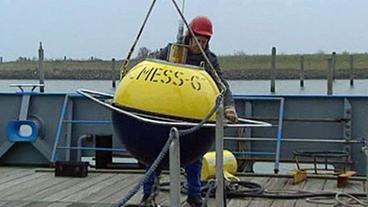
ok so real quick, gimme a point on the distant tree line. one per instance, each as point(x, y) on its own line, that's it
point(25, 59)
point(144, 52)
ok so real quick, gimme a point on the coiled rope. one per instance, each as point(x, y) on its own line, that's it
point(338, 200)
point(211, 187)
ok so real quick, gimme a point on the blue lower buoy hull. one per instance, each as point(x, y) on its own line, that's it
point(146, 140)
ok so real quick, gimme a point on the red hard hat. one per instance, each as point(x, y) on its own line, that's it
point(202, 25)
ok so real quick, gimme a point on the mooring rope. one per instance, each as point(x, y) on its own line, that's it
point(337, 200)
point(149, 172)
point(352, 200)
point(211, 186)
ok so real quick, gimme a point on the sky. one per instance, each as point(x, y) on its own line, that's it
point(106, 29)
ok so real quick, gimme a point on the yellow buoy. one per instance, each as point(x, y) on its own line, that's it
point(209, 166)
point(168, 89)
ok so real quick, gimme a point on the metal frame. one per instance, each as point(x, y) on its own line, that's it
point(60, 127)
point(38, 143)
point(279, 136)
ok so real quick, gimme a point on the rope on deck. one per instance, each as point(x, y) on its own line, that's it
point(339, 200)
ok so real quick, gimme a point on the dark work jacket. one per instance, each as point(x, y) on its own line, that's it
point(196, 59)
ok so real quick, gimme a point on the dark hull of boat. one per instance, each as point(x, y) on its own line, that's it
point(146, 140)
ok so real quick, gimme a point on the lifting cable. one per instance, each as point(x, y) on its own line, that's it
point(212, 71)
point(124, 68)
point(214, 75)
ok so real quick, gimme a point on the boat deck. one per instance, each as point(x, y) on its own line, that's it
point(40, 188)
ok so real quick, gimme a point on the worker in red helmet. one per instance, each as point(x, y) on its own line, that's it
point(202, 25)
point(203, 30)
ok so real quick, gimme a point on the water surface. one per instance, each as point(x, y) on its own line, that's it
point(249, 87)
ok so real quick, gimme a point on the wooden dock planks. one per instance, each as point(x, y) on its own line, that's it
point(289, 186)
point(311, 185)
point(24, 187)
point(258, 202)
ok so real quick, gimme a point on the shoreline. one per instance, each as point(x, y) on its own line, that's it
point(259, 74)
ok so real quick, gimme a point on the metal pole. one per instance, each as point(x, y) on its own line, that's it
point(175, 168)
point(302, 71)
point(366, 181)
point(219, 155)
point(279, 136)
point(365, 150)
point(306, 140)
point(180, 36)
point(351, 70)
point(273, 69)
point(113, 73)
point(329, 76)
point(333, 65)
point(40, 68)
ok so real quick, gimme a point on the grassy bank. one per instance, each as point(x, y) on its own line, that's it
point(235, 67)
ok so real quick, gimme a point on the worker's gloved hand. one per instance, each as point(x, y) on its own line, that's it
point(230, 114)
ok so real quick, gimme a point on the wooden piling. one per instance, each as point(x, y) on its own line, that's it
point(41, 69)
point(302, 71)
point(273, 70)
point(113, 73)
point(329, 76)
point(333, 65)
point(351, 70)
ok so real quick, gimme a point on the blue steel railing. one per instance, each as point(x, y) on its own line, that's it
point(281, 114)
point(60, 128)
point(92, 148)
point(253, 153)
point(64, 110)
point(86, 122)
